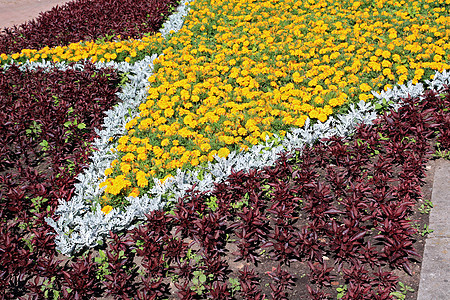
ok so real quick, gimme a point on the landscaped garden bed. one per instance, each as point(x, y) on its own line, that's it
point(341, 214)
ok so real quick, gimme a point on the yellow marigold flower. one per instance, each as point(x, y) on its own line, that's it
point(318, 100)
point(134, 193)
point(242, 131)
point(195, 162)
point(108, 171)
point(165, 178)
point(223, 152)
point(322, 117)
point(107, 209)
point(142, 182)
point(403, 78)
point(437, 58)
point(402, 69)
point(158, 151)
point(169, 112)
point(134, 140)
point(165, 142)
point(228, 140)
point(125, 168)
point(141, 150)
point(328, 110)
point(130, 124)
point(123, 139)
point(142, 156)
point(129, 157)
point(365, 87)
point(205, 147)
point(313, 114)
point(363, 97)
point(211, 155)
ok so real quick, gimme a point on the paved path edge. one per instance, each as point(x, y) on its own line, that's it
point(435, 272)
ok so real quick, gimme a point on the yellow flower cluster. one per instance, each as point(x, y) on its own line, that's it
point(240, 71)
point(119, 50)
point(107, 209)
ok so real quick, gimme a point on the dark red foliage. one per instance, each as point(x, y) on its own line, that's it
point(34, 106)
point(16, 261)
point(249, 282)
point(282, 281)
point(320, 273)
point(251, 229)
point(37, 106)
point(216, 266)
point(153, 289)
point(209, 231)
point(122, 267)
point(184, 292)
point(87, 20)
point(80, 278)
point(219, 291)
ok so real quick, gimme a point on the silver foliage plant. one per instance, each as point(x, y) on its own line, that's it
point(79, 227)
point(81, 222)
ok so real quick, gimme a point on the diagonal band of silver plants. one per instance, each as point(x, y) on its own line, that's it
point(83, 225)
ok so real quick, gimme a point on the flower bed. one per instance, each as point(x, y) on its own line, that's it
point(320, 202)
point(87, 20)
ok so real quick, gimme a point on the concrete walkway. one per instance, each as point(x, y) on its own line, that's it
point(435, 273)
point(17, 12)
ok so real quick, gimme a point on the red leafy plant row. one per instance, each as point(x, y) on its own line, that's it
point(349, 200)
point(87, 20)
point(47, 121)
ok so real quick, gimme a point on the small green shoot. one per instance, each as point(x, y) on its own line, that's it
point(199, 281)
point(212, 203)
point(426, 230)
point(342, 289)
point(44, 145)
point(235, 285)
point(426, 207)
point(103, 269)
point(383, 106)
point(401, 294)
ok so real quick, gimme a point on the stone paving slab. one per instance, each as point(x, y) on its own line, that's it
point(17, 12)
point(435, 273)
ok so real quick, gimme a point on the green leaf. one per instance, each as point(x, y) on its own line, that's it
point(44, 145)
point(202, 278)
point(81, 126)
